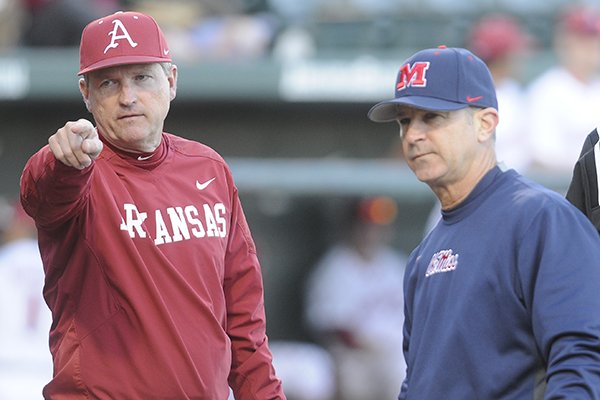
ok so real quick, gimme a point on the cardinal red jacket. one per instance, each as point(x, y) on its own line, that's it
point(151, 275)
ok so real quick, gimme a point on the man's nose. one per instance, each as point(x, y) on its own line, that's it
point(415, 130)
point(128, 94)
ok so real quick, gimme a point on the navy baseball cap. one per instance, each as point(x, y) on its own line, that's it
point(439, 79)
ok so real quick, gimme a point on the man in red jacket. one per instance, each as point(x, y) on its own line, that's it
point(151, 271)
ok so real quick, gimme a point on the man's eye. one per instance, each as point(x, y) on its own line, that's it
point(403, 121)
point(431, 116)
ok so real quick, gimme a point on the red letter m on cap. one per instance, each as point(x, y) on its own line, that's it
point(412, 75)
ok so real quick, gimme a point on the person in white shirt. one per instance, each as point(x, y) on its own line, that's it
point(564, 101)
point(25, 361)
point(503, 44)
point(355, 307)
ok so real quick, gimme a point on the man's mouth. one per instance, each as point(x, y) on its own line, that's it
point(129, 116)
point(419, 155)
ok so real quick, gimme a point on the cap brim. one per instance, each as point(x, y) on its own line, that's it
point(387, 110)
point(123, 60)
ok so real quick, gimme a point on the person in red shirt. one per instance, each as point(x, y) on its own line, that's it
point(151, 271)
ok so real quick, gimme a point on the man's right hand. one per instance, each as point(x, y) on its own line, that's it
point(76, 144)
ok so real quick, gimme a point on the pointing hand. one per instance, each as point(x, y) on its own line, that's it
point(76, 144)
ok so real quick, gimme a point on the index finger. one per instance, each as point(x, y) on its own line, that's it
point(83, 128)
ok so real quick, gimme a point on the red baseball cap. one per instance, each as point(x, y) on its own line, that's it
point(495, 36)
point(122, 38)
point(583, 20)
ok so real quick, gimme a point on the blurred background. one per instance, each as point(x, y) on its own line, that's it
point(281, 89)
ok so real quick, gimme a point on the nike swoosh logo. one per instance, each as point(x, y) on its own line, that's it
point(473, 99)
point(202, 186)
point(166, 51)
point(142, 158)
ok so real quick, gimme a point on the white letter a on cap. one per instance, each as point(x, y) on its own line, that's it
point(114, 37)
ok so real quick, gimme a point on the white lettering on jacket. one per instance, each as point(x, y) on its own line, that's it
point(442, 261)
point(175, 224)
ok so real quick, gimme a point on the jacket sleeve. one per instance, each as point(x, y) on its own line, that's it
point(560, 277)
point(410, 283)
point(583, 188)
point(51, 192)
point(252, 375)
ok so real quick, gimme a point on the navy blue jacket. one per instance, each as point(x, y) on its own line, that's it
point(503, 299)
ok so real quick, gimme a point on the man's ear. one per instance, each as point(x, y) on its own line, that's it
point(488, 119)
point(83, 88)
point(173, 82)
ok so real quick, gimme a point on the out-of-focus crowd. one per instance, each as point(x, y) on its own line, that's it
point(194, 28)
point(544, 116)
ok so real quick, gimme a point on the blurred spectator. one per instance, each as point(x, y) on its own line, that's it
point(25, 361)
point(233, 37)
point(11, 23)
point(306, 370)
point(58, 23)
point(210, 30)
point(293, 43)
point(564, 101)
point(354, 304)
point(502, 43)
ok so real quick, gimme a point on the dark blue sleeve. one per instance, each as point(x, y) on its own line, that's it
point(404, 387)
point(410, 283)
point(559, 272)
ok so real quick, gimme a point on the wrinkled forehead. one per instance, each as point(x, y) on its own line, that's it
point(126, 69)
point(404, 110)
